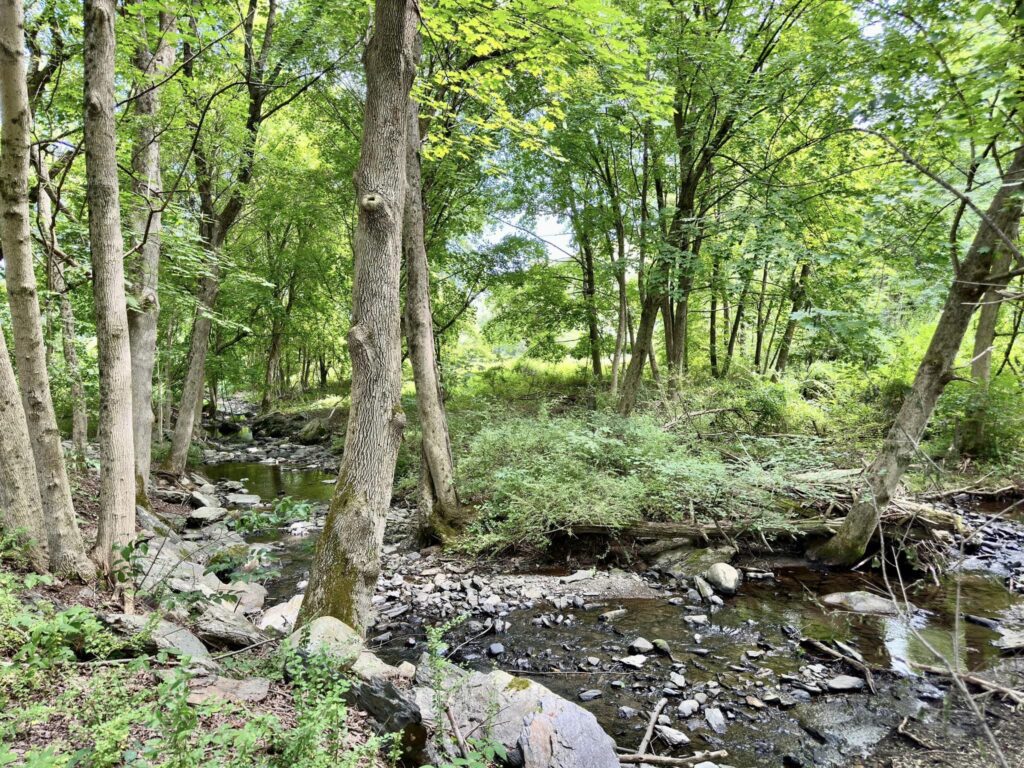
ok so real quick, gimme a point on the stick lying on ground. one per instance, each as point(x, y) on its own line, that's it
point(659, 760)
point(1017, 697)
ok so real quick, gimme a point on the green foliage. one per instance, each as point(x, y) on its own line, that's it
point(285, 510)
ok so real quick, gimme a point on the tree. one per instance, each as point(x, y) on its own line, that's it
point(347, 560)
point(975, 275)
point(152, 61)
point(64, 541)
point(106, 244)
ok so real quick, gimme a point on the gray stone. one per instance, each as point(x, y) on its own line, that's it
point(243, 500)
point(862, 602)
point(495, 649)
point(635, 661)
point(703, 588)
point(159, 636)
point(1011, 640)
point(225, 628)
point(715, 719)
point(677, 679)
point(687, 562)
point(671, 736)
point(197, 518)
point(688, 707)
point(590, 695)
point(724, 578)
point(328, 635)
point(251, 690)
point(249, 596)
point(641, 645)
point(199, 499)
point(842, 683)
point(281, 617)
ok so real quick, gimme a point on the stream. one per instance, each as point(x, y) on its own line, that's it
point(749, 686)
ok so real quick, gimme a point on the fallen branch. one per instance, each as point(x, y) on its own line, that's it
point(458, 734)
point(659, 760)
point(650, 726)
point(857, 664)
point(1017, 697)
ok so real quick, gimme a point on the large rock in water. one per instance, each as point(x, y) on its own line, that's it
point(724, 578)
point(862, 602)
point(538, 728)
point(689, 562)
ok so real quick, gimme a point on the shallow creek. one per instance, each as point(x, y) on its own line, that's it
point(748, 648)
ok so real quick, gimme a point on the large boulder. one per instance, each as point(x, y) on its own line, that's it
point(329, 635)
point(538, 728)
point(275, 424)
point(248, 596)
point(166, 565)
point(724, 578)
point(862, 602)
point(281, 617)
point(315, 431)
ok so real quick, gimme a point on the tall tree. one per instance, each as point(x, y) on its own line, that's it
point(64, 540)
point(347, 561)
point(106, 246)
point(152, 59)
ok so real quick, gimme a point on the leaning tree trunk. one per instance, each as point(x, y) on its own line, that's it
point(347, 561)
point(147, 225)
point(106, 245)
point(64, 541)
point(975, 276)
point(798, 299)
point(641, 350)
point(192, 390)
point(21, 511)
point(439, 508)
point(970, 436)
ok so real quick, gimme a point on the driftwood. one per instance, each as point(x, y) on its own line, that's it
point(853, 662)
point(650, 726)
point(1017, 697)
point(659, 760)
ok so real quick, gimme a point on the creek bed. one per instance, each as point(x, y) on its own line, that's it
point(748, 648)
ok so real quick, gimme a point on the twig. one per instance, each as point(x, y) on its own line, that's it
point(864, 668)
point(1017, 697)
point(458, 734)
point(902, 731)
point(650, 726)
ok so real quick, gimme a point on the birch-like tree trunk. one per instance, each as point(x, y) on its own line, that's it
point(64, 541)
point(347, 561)
point(439, 507)
point(976, 275)
point(106, 246)
point(147, 224)
point(21, 511)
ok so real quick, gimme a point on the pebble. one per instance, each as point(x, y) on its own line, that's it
point(591, 694)
point(688, 707)
point(842, 683)
point(715, 719)
point(671, 736)
point(495, 649)
point(635, 662)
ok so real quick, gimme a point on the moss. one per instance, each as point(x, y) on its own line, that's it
point(518, 684)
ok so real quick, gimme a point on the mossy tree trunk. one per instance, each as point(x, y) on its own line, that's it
point(347, 560)
point(977, 274)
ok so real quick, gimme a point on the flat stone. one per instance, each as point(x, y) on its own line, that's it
point(703, 588)
point(581, 575)
point(249, 595)
point(220, 626)
point(862, 602)
point(197, 518)
point(281, 617)
point(687, 562)
point(251, 690)
point(1011, 640)
point(243, 500)
point(329, 635)
point(635, 662)
point(842, 683)
point(677, 680)
point(688, 707)
point(161, 636)
point(671, 736)
point(199, 499)
point(590, 695)
point(495, 649)
point(715, 719)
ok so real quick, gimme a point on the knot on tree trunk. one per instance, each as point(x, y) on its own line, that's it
point(371, 202)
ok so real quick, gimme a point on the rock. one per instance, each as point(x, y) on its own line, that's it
point(842, 683)
point(706, 764)
point(671, 736)
point(688, 707)
point(703, 588)
point(581, 575)
point(634, 662)
point(149, 522)
point(612, 615)
point(274, 424)
point(662, 647)
point(1011, 640)
point(249, 595)
point(198, 499)
point(197, 518)
point(538, 728)
point(715, 719)
point(687, 562)
point(165, 565)
point(315, 431)
point(724, 578)
point(243, 500)
point(328, 635)
point(678, 680)
point(590, 695)
point(862, 602)
point(755, 654)
point(159, 636)
point(626, 713)
point(225, 628)
point(495, 649)
point(754, 702)
point(281, 617)
point(699, 618)
point(407, 670)
point(640, 645)
point(239, 691)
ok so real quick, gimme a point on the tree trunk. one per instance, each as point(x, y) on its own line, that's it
point(713, 319)
point(970, 436)
point(106, 246)
point(64, 541)
point(21, 511)
point(798, 299)
point(976, 275)
point(144, 268)
point(192, 390)
point(271, 383)
point(590, 301)
point(47, 225)
point(439, 508)
point(347, 560)
point(762, 318)
point(643, 347)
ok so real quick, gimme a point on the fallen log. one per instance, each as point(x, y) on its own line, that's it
point(660, 760)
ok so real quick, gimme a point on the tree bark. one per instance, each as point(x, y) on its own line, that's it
point(106, 246)
point(147, 225)
point(590, 302)
point(975, 277)
point(347, 560)
point(21, 511)
point(47, 225)
point(642, 349)
point(439, 507)
point(798, 299)
point(64, 541)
